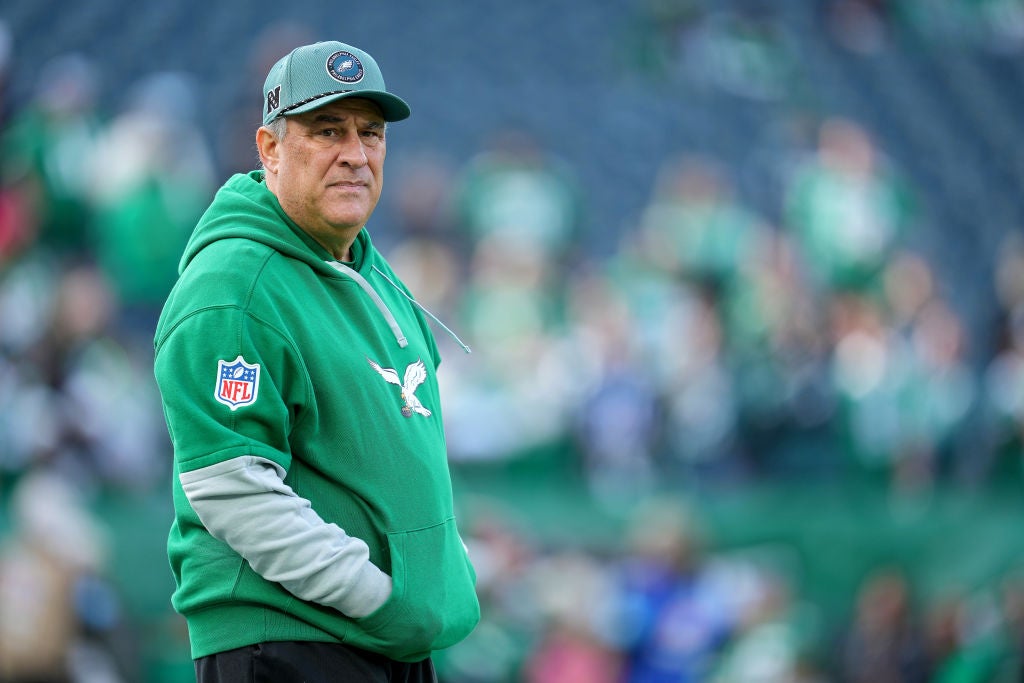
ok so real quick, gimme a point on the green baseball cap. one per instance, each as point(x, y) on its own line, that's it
point(313, 75)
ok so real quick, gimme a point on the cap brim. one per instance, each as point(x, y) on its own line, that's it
point(392, 107)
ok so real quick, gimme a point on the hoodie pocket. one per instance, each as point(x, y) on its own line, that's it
point(433, 602)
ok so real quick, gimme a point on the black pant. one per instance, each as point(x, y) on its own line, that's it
point(308, 662)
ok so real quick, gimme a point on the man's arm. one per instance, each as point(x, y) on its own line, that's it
point(245, 503)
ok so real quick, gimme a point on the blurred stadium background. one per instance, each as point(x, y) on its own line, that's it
point(744, 281)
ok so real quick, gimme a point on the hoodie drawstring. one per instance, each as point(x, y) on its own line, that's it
point(424, 309)
point(381, 306)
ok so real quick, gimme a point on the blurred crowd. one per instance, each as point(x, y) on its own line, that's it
point(664, 605)
point(711, 346)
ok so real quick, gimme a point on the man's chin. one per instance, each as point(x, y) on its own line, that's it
point(348, 220)
point(347, 209)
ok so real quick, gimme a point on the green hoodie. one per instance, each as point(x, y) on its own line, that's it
point(302, 403)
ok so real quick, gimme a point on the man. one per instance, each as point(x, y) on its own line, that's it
point(314, 537)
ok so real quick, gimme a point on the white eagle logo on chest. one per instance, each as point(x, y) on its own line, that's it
point(415, 373)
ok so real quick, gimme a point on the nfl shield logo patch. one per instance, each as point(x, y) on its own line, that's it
point(237, 383)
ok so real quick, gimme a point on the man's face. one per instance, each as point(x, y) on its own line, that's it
point(328, 170)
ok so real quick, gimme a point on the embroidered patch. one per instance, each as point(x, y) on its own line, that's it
point(238, 383)
point(415, 373)
point(345, 67)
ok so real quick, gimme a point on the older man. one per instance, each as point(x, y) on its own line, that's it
point(314, 536)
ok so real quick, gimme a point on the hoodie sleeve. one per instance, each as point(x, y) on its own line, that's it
point(231, 385)
point(233, 389)
point(245, 503)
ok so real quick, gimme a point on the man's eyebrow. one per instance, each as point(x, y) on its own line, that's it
point(335, 118)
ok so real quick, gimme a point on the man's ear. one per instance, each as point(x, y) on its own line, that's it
point(268, 147)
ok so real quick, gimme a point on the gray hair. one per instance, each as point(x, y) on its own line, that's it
point(278, 127)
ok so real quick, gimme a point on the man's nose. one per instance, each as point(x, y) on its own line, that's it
point(351, 151)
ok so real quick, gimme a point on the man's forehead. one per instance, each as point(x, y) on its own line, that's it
point(345, 108)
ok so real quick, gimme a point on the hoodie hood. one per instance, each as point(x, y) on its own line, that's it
point(245, 207)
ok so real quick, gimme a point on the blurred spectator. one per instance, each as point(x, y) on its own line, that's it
point(695, 228)
point(747, 297)
point(1011, 605)
point(703, 430)
point(616, 427)
point(518, 210)
point(973, 638)
point(778, 351)
point(771, 642)
point(17, 224)
point(568, 654)
point(615, 421)
point(871, 370)
point(847, 209)
point(71, 391)
point(28, 431)
point(521, 195)
point(56, 551)
point(940, 399)
point(575, 644)
point(47, 148)
point(1003, 379)
point(658, 31)
point(744, 50)
point(674, 621)
point(515, 394)
point(151, 179)
point(885, 644)
point(901, 374)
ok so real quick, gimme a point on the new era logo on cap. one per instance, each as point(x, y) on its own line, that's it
point(273, 100)
point(314, 75)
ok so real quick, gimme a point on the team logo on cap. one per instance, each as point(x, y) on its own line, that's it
point(238, 383)
point(345, 67)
